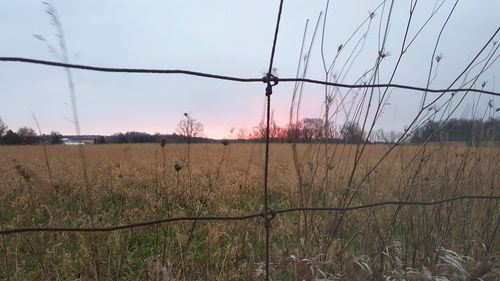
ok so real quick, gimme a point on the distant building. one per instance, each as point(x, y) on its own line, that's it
point(68, 141)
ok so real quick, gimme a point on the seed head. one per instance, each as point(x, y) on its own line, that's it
point(439, 57)
point(382, 53)
point(177, 166)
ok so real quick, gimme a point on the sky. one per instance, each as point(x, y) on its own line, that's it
point(223, 37)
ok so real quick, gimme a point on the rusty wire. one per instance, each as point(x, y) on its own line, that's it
point(270, 81)
point(271, 213)
point(237, 79)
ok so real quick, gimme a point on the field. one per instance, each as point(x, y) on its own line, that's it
point(138, 182)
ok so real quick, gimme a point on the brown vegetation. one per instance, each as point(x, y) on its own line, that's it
point(132, 183)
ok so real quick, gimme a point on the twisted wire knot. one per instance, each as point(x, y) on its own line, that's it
point(271, 81)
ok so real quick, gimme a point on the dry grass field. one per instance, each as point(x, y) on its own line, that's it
point(133, 182)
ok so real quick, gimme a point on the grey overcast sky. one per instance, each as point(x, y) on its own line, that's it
point(225, 37)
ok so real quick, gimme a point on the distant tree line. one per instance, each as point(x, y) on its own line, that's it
point(313, 130)
point(458, 130)
point(26, 135)
point(142, 137)
point(307, 130)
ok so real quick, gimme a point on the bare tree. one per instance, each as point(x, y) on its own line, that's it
point(312, 129)
point(189, 127)
point(274, 130)
point(3, 127)
point(27, 135)
point(56, 137)
point(352, 133)
point(243, 134)
point(385, 136)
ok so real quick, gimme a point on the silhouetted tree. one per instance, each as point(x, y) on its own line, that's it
point(55, 137)
point(294, 132)
point(3, 127)
point(459, 130)
point(189, 127)
point(243, 134)
point(138, 137)
point(352, 133)
point(11, 138)
point(119, 138)
point(27, 135)
point(275, 132)
point(385, 136)
point(312, 129)
point(100, 140)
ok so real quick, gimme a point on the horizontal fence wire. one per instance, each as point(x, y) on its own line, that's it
point(246, 217)
point(239, 79)
point(127, 70)
point(391, 203)
point(126, 226)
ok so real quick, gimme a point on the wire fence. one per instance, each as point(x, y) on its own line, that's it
point(267, 214)
point(272, 213)
point(274, 79)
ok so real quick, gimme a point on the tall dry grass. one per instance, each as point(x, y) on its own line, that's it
point(131, 184)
